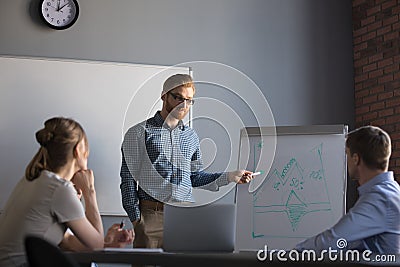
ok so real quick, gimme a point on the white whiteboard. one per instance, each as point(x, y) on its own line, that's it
point(105, 97)
point(301, 194)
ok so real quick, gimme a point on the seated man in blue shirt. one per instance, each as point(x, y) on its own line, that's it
point(374, 221)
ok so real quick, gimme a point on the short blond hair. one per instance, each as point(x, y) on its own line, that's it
point(176, 81)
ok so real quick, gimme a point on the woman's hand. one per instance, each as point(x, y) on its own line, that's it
point(117, 237)
point(83, 181)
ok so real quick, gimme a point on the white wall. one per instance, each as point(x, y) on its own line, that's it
point(298, 52)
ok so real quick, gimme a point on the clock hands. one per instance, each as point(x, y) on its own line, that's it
point(59, 14)
point(63, 6)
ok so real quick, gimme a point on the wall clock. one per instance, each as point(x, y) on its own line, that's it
point(59, 14)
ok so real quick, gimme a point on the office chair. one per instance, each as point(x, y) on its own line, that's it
point(41, 253)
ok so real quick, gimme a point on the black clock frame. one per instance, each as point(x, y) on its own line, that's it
point(55, 26)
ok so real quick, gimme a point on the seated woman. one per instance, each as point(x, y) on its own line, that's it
point(45, 202)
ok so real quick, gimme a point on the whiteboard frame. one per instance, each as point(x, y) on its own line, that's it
point(295, 130)
point(334, 129)
point(156, 68)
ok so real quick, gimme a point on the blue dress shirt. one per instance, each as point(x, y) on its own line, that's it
point(160, 163)
point(373, 223)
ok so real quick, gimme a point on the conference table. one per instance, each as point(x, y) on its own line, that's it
point(159, 258)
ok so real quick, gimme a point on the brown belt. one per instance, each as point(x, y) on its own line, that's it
point(154, 205)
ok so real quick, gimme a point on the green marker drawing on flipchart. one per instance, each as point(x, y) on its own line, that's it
point(294, 184)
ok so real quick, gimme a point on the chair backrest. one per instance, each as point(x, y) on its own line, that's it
point(41, 253)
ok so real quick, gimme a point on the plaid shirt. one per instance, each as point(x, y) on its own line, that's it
point(159, 163)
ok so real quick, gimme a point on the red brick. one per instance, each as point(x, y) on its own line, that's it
point(357, 40)
point(391, 20)
point(357, 2)
point(396, 173)
point(386, 112)
point(360, 78)
point(384, 30)
point(377, 89)
point(373, 10)
point(361, 94)
point(370, 83)
point(395, 154)
point(391, 36)
point(385, 62)
point(359, 71)
point(396, 26)
point(395, 102)
point(376, 44)
point(377, 106)
point(391, 52)
point(383, 96)
point(396, 10)
point(397, 163)
point(370, 99)
point(388, 128)
point(367, 21)
point(360, 47)
point(388, 4)
point(391, 68)
point(378, 122)
point(374, 26)
point(360, 31)
point(370, 116)
point(386, 78)
point(369, 36)
point(392, 85)
point(360, 62)
point(396, 136)
point(375, 57)
point(358, 87)
point(362, 110)
point(369, 67)
point(394, 167)
point(376, 73)
point(392, 120)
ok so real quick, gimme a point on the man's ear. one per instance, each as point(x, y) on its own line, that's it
point(356, 159)
point(163, 97)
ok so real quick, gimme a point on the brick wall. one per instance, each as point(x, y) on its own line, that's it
point(376, 44)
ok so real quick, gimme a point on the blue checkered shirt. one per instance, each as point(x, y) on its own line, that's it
point(162, 164)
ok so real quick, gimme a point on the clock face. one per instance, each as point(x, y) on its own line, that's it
point(59, 14)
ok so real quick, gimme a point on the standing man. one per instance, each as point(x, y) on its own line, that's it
point(161, 162)
point(373, 222)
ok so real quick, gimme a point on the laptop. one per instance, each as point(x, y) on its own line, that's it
point(209, 228)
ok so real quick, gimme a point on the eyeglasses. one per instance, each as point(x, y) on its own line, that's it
point(181, 99)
